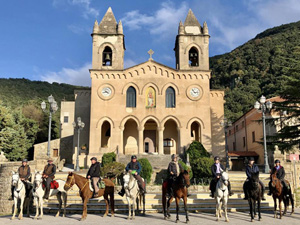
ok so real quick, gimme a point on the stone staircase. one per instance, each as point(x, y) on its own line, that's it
point(198, 201)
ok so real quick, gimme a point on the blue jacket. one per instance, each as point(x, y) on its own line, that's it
point(134, 166)
point(251, 169)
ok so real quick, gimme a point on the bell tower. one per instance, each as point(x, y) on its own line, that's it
point(192, 45)
point(108, 43)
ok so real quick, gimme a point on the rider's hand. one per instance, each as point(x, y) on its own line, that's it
point(130, 171)
point(89, 176)
point(135, 173)
point(171, 173)
point(218, 176)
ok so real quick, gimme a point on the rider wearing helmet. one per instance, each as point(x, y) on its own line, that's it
point(94, 175)
point(135, 168)
point(174, 170)
point(216, 169)
point(250, 169)
point(280, 175)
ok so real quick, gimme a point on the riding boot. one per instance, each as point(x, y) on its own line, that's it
point(262, 191)
point(122, 192)
point(229, 189)
point(46, 195)
point(245, 192)
point(270, 189)
point(12, 194)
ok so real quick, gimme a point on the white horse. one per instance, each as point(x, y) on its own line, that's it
point(132, 194)
point(19, 193)
point(221, 195)
point(38, 194)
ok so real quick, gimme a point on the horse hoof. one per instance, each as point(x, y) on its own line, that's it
point(128, 218)
point(104, 215)
point(82, 219)
point(176, 221)
point(12, 218)
point(187, 222)
point(112, 215)
point(133, 218)
point(217, 219)
point(227, 220)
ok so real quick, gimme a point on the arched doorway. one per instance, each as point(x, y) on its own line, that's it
point(105, 134)
point(195, 132)
point(150, 137)
point(130, 137)
point(170, 137)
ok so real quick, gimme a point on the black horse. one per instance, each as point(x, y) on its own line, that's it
point(253, 189)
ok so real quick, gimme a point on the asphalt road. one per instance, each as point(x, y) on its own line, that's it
point(238, 218)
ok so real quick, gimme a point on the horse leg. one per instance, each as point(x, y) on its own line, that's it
point(218, 208)
point(275, 207)
point(84, 211)
point(177, 209)
point(292, 202)
point(186, 209)
point(280, 212)
point(106, 205)
point(164, 204)
point(251, 209)
point(144, 203)
point(112, 204)
point(65, 197)
point(58, 196)
point(225, 208)
point(258, 209)
point(15, 208)
point(36, 201)
point(168, 206)
point(133, 208)
point(285, 205)
point(21, 208)
point(27, 205)
point(129, 208)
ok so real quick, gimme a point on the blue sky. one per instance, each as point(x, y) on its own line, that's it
point(50, 39)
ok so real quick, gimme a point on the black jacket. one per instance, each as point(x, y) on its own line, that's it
point(251, 169)
point(214, 169)
point(94, 170)
point(280, 172)
point(172, 168)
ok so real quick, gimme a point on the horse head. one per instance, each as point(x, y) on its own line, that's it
point(274, 180)
point(38, 178)
point(70, 181)
point(255, 179)
point(15, 178)
point(185, 178)
point(127, 179)
point(224, 177)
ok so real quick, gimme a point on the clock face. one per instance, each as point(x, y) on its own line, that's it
point(106, 91)
point(195, 92)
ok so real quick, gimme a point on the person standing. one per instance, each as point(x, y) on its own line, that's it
point(48, 175)
point(94, 175)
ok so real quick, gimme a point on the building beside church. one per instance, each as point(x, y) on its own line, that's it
point(149, 108)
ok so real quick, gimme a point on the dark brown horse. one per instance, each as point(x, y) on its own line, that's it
point(281, 195)
point(85, 192)
point(180, 191)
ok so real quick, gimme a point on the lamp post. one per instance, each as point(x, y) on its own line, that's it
point(262, 106)
point(226, 123)
point(52, 109)
point(79, 126)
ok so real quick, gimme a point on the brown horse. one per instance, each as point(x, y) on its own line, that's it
point(86, 194)
point(281, 195)
point(180, 191)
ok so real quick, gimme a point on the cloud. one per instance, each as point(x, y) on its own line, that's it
point(163, 22)
point(79, 29)
point(129, 63)
point(78, 76)
point(84, 5)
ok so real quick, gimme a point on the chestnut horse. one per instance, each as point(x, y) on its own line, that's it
point(180, 191)
point(86, 194)
point(281, 195)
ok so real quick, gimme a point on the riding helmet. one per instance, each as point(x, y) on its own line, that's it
point(133, 157)
point(251, 159)
point(277, 161)
point(94, 158)
point(217, 158)
point(24, 160)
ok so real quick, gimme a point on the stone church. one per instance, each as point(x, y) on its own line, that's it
point(149, 108)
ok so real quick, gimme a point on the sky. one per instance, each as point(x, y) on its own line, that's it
point(50, 40)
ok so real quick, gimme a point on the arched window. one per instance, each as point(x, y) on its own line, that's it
point(170, 98)
point(131, 97)
point(193, 57)
point(107, 56)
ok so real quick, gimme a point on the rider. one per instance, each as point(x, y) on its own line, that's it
point(25, 176)
point(134, 165)
point(174, 170)
point(280, 175)
point(253, 168)
point(216, 173)
point(48, 175)
point(94, 175)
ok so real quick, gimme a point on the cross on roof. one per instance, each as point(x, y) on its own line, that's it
point(150, 52)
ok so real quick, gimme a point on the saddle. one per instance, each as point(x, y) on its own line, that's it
point(100, 184)
point(53, 185)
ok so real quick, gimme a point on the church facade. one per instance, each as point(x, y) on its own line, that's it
point(149, 108)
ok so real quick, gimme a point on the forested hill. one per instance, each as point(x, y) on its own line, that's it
point(257, 67)
point(17, 92)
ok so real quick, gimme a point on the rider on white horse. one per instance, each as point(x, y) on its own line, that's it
point(252, 168)
point(25, 176)
point(135, 167)
point(48, 175)
point(216, 173)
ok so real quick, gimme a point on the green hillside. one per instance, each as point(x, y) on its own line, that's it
point(257, 67)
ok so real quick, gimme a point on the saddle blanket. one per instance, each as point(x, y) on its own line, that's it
point(101, 185)
point(53, 185)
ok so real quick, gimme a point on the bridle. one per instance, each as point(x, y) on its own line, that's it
point(38, 182)
point(127, 186)
point(17, 181)
point(69, 185)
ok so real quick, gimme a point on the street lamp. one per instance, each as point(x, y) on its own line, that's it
point(79, 126)
point(226, 123)
point(53, 108)
point(262, 106)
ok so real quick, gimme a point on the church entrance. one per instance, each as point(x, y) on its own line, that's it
point(150, 136)
point(170, 137)
point(130, 137)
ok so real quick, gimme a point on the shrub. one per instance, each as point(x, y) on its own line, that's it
point(108, 158)
point(187, 168)
point(146, 172)
point(113, 169)
point(196, 150)
point(201, 167)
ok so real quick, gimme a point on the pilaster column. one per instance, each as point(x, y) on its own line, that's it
point(161, 140)
point(141, 140)
point(121, 149)
point(179, 149)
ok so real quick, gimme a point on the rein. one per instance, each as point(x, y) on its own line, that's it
point(134, 184)
point(18, 185)
point(70, 183)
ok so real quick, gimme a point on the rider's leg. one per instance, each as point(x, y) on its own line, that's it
point(245, 191)
point(12, 193)
point(47, 191)
point(95, 185)
point(140, 182)
point(262, 190)
point(170, 189)
point(229, 189)
point(212, 187)
point(122, 192)
point(270, 188)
